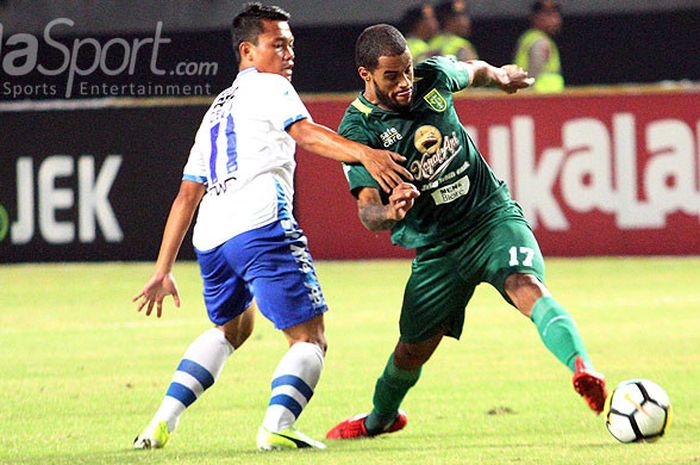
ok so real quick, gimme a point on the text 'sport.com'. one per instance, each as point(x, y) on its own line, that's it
point(24, 54)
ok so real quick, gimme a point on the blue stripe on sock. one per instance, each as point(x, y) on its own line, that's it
point(199, 373)
point(288, 402)
point(181, 393)
point(298, 383)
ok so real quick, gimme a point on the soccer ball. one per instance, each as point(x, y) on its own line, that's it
point(637, 410)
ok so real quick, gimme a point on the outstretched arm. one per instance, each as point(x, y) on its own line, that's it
point(381, 164)
point(162, 283)
point(375, 216)
point(508, 78)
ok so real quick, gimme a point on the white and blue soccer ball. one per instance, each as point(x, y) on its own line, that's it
point(637, 410)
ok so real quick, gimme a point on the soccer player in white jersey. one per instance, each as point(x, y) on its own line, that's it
point(249, 246)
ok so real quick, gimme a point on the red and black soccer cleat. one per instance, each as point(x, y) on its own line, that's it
point(590, 385)
point(354, 427)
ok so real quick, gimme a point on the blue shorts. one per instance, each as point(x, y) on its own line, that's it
point(271, 263)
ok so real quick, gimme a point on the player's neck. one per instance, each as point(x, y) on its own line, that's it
point(372, 98)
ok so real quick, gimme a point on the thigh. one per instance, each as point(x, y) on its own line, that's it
point(226, 294)
point(281, 274)
point(434, 299)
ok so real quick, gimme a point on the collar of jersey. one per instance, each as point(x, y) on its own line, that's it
point(252, 69)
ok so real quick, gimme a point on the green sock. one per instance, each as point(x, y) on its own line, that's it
point(389, 391)
point(558, 332)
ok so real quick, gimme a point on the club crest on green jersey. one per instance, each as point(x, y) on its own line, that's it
point(436, 101)
point(427, 140)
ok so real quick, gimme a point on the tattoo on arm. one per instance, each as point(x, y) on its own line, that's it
point(374, 218)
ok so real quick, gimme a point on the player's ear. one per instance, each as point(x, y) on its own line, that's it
point(364, 73)
point(247, 50)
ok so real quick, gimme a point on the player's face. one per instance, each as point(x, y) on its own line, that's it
point(392, 81)
point(274, 52)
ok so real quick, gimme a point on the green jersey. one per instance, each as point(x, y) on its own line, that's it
point(458, 189)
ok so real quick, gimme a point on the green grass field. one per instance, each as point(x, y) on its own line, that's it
point(81, 372)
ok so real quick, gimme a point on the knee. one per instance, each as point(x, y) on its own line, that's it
point(238, 337)
point(317, 339)
point(238, 330)
point(524, 290)
point(409, 356)
point(311, 331)
point(520, 281)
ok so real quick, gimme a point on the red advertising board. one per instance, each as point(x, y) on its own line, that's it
point(596, 173)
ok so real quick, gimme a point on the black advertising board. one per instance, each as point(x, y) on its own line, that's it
point(91, 184)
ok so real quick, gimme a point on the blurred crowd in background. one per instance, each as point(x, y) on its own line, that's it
point(626, 42)
point(445, 29)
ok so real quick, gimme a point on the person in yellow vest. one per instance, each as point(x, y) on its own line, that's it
point(537, 52)
point(455, 27)
point(420, 26)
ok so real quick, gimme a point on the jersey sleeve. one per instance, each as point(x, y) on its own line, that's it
point(196, 167)
point(454, 73)
point(356, 174)
point(358, 177)
point(283, 105)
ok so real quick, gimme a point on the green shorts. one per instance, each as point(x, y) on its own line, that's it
point(444, 275)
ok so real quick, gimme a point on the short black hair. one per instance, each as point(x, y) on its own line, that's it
point(378, 41)
point(247, 24)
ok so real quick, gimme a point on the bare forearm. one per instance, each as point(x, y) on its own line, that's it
point(509, 78)
point(323, 141)
point(179, 220)
point(483, 74)
point(376, 217)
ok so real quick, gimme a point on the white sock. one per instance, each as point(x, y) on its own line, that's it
point(197, 371)
point(293, 384)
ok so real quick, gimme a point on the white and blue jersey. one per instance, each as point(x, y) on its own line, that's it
point(244, 156)
point(247, 241)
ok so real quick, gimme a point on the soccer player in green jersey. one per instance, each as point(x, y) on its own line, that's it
point(459, 217)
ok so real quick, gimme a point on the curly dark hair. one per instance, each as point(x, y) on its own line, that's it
point(377, 41)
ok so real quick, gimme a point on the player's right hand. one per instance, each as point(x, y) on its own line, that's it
point(154, 291)
point(401, 200)
point(511, 78)
point(384, 167)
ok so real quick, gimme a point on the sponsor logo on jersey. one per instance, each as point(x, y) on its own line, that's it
point(437, 152)
point(451, 192)
point(390, 137)
point(436, 101)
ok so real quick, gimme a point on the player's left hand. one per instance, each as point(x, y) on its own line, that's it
point(512, 78)
point(384, 167)
point(401, 201)
point(154, 291)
